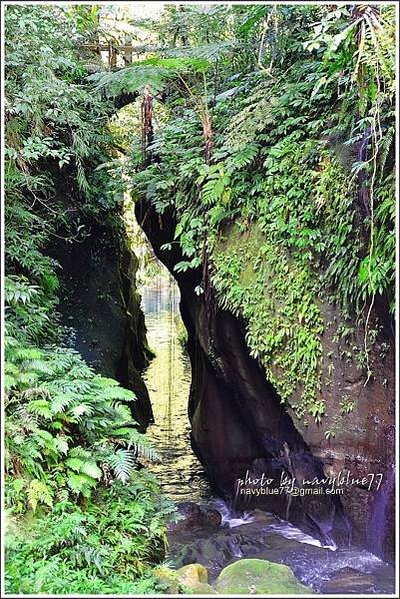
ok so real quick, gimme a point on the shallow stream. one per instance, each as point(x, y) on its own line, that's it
point(180, 474)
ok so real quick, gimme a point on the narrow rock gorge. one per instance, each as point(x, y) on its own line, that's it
point(200, 298)
point(230, 392)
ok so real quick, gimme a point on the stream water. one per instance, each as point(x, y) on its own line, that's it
point(180, 474)
point(327, 570)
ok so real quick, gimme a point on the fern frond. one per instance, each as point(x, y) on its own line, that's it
point(123, 463)
point(38, 492)
point(131, 438)
point(82, 409)
point(384, 148)
point(40, 407)
point(62, 401)
point(39, 366)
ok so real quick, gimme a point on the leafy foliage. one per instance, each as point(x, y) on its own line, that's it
point(151, 71)
point(64, 426)
point(105, 548)
point(296, 206)
point(274, 151)
point(55, 131)
point(84, 515)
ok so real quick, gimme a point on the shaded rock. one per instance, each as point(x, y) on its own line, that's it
point(230, 393)
point(255, 576)
point(261, 518)
point(195, 516)
point(349, 580)
point(212, 517)
point(218, 550)
point(100, 305)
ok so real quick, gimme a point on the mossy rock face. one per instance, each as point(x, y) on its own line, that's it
point(194, 579)
point(192, 573)
point(257, 576)
point(202, 588)
point(191, 579)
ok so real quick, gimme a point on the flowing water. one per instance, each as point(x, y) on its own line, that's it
point(327, 570)
point(180, 474)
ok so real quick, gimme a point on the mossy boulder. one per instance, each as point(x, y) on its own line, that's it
point(194, 579)
point(257, 576)
point(192, 573)
point(202, 588)
point(167, 579)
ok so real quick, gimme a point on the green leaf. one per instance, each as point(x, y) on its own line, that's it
point(62, 444)
point(18, 484)
point(38, 492)
point(363, 271)
point(41, 407)
point(91, 470)
point(75, 464)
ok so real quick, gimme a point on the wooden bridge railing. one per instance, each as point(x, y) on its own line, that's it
point(126, 51)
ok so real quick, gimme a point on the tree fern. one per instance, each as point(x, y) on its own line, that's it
point(152, 71)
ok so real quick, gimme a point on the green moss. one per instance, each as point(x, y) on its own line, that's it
point(192, 573)
point(256, 576)
point(276, 297)
point(295, 252)
point(190, 579)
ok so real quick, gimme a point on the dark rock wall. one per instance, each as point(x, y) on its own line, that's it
point(100, 302)
point(238, 422)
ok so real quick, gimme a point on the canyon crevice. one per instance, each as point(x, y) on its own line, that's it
point(239, 424)
point(237, 420)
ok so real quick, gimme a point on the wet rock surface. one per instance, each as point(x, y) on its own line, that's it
point(193, 516)
point(349, 580)
point(224, 546)
point(266, 537)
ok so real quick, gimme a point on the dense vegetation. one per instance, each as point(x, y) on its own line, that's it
point(275, 149)
point(81, 515)
point(273, 142)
